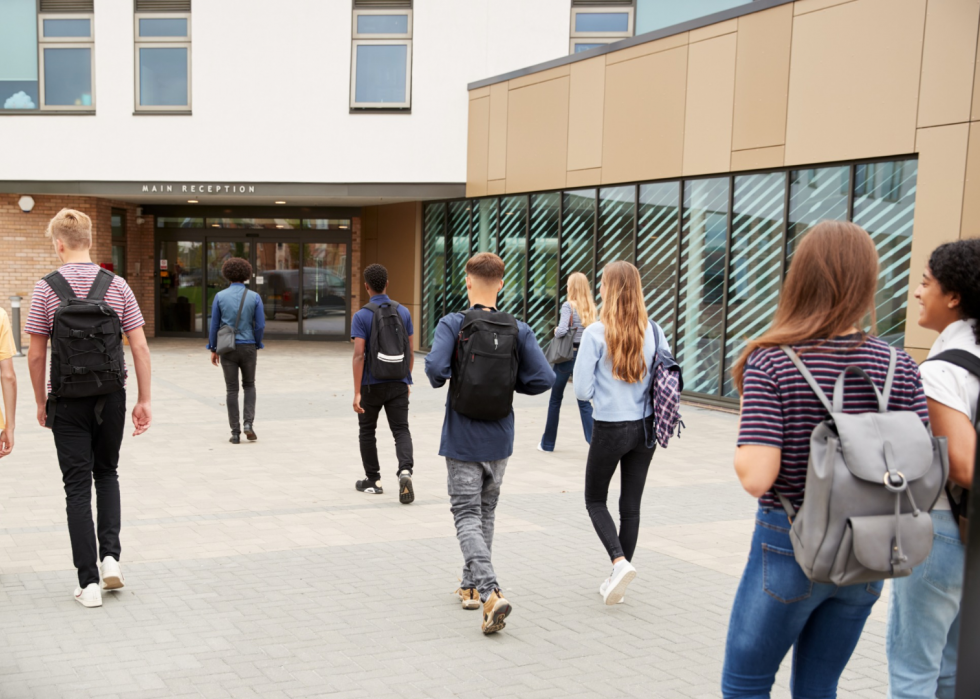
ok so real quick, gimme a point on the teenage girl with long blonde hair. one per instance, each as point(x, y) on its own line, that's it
point(614, 370)
point(577, 313)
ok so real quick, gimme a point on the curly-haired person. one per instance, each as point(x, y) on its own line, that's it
point(241, 309)
point(924, 614)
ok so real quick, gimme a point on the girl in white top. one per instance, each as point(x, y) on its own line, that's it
point(924, 614)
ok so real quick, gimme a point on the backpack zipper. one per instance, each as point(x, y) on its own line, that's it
point(495, 344)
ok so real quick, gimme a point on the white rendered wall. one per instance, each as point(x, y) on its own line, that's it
point(270, 91)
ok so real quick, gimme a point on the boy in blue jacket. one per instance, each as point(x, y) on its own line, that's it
point(477, 451)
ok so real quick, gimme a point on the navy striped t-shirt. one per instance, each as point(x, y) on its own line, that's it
point(779, 409)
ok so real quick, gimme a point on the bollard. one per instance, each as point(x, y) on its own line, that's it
point(15, 322)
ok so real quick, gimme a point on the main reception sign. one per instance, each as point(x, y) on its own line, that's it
point(199, 188)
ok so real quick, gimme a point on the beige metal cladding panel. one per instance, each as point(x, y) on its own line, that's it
point(537, 136)
point(801, 7)
point(948, 61)
point(584, 178)
point(762, 78)
point(713, 30)
point(710, 97)
point(496, 187)
point(497, 166)
point(585, 106)
point(938, 207)
point(476, 147)
point(854, 81)
point(970, 226)
point(643, 122)
point(975, 111)
point(397, 232)
point(757, 158)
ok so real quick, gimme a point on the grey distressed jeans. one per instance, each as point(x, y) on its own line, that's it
point(242, 359)
point(474, 488)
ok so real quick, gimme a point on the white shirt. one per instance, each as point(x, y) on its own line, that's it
point(951, 385)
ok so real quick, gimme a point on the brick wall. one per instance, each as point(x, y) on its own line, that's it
point(26, 254)
point(356, 270)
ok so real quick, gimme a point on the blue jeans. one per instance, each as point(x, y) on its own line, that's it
point(924, 618)
point(777, 607)
point(563, 371)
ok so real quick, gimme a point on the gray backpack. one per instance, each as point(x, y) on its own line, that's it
point(870, 484)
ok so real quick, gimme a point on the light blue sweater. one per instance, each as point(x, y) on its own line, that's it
point(613, 400)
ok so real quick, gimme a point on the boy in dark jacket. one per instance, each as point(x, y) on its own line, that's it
point(477, 451)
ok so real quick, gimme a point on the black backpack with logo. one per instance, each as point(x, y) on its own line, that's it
point(87, 356)
point(484, 370)
point(390, 353)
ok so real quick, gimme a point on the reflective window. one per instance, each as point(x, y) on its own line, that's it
point(458, 254)
point(382, 24)
point(543, 292)
point(652, 15)
point(597, 26)
point(325, 291)
point(616, 219)
point(163, 27)
point(657, 232)
point(180, 282)
point(164, 77)
point(179, 222)
point(19, 85)
point(68, 77)
point(700, 312)
point(63, 28)
point(218, 253)
point(117, 226)
point(381, 59)
point(604, 22)
point(513, 251)
point(270, 223)
point(578, 235)
point(433, 269)
point(277, 283)
point(327, 223)
point(580, 46)
point(814, 196)
point(484, 225)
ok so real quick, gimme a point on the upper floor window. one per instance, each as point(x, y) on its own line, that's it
point(163, 55)
point(599, 22)
point(381, 55)
point(47, 55)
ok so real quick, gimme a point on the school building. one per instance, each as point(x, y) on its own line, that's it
point(699, 140)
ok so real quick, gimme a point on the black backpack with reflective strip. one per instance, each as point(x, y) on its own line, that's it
point(485, 364)
point(86, 341)
point(390, 353)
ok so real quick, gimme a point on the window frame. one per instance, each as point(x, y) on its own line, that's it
point(380, 12)
point(628, 10)
point(63, 42)
point(162, 42)
point(596, 40)
point(401, 106)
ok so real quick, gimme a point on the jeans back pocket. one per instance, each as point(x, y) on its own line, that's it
point(782, 577)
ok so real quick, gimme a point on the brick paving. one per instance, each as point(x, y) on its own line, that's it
point(257, 570)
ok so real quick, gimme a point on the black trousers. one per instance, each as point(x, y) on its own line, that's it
point(622, 444)
point(242, 359)
point(89, 451)
point(393, 397)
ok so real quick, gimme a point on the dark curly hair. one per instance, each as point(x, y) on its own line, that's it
point(376, 277)
point(235, 269)
point(956, 266)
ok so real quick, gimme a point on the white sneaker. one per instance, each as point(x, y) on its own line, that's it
point(622, 576)
point(91, 596)
point(112, 577)
point(604, 586)
point(541, 448)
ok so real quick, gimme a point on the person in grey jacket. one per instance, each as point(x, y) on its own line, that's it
point(248, 340)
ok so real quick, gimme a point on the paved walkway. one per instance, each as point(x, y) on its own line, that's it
point(258, 571)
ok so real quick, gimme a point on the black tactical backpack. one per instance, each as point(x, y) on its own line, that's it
point(484, 370)
point(390, 353)
point(86, 342)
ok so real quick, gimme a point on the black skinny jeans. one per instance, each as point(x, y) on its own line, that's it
point(393, 397)
point(243, 359)
point(89, 451)
point(617, 443)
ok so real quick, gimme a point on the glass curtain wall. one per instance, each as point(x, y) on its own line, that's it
point(712, 252)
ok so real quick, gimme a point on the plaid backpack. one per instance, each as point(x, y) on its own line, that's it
point(665, 394)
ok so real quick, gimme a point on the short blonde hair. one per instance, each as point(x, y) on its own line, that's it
point(73, 228)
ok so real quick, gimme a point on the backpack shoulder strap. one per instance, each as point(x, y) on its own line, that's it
point(890, 376)
point(100, 285)
point(371, 306)
point(59, 285)
point(808, 376)
point(964, 360)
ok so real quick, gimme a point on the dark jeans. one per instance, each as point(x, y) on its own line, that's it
point(563, 372)
point(243, 359)
point(393, 397)
point(617, 443)
point(87, 451)
point(777, 608)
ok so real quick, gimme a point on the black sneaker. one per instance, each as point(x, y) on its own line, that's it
point(235, 438)
point(406, 493)
point(249, 432)
point(367, 486)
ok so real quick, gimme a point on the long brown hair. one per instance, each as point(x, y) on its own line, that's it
point(580, 298)
point(830, 288)
point(625, 319)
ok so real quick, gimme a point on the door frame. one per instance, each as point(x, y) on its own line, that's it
point(251, 236)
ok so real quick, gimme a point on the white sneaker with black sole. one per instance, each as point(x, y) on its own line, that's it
point(406, 492)
point(622, 575)
point(91, 596)
point(112, 577)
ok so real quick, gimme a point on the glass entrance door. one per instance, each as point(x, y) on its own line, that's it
point(325, 291)
point(277, 282)
point(218, 253)
point(180, 276)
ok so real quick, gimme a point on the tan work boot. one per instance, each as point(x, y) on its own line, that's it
point(469, 597)
point(495, 610)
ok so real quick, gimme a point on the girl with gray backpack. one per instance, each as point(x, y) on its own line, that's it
point(833, 440)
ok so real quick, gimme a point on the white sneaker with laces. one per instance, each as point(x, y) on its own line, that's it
point(622, 575)
point(91, 596)
point(112, 577)
point(604, 586)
